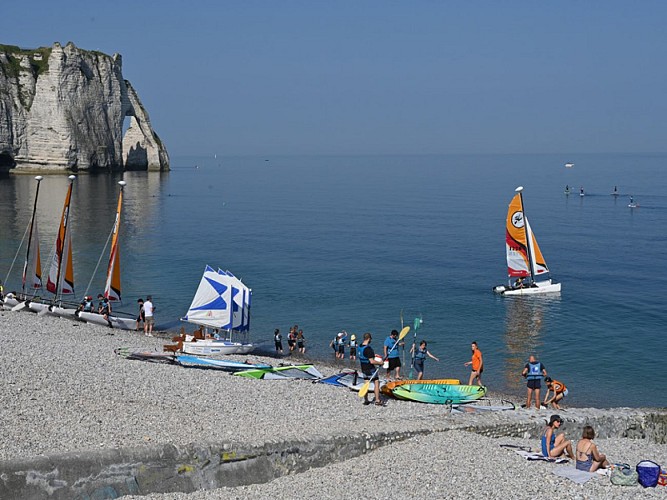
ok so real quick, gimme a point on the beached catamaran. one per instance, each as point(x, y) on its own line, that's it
point(221, 307)
point(525, 262)
point(112, 287)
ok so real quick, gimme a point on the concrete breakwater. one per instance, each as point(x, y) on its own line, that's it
point(168, 468)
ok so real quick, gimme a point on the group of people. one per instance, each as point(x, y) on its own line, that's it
point(295, 340)
point(146, 315)
point(534, 371)
point(340, 341)
point(586, 455)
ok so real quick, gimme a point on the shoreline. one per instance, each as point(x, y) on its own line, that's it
point(67, 392)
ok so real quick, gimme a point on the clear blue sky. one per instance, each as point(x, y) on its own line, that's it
point(357, 77)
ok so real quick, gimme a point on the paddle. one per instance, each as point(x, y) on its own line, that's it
point(417, 324)
point(364, 388)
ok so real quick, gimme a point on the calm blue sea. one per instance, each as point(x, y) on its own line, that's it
point(342, 242)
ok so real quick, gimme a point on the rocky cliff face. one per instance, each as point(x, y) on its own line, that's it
point(62, 108)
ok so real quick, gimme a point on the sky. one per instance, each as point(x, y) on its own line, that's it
point(294, 77)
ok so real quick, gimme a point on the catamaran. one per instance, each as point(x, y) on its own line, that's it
point(112, 287)
point(525, 263)
point(221, 306)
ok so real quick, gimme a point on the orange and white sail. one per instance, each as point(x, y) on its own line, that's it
point(112, 286)
point(524, 257)
point(32, 268)
point(61, 274)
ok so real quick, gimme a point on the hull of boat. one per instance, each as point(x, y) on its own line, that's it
point(63, 312)
point(439, 393)
point(38, 307)
point(10, 302)
point(116, 321)
point(212, 347)
point(539, 288)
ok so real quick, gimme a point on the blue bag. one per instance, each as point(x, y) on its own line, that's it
point(648, 472)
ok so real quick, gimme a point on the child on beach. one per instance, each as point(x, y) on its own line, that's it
point(340, 344)
point(476, 363)
point(555, 446)
point(420, 357)
point(353, 347)
point(278, 341)
point(300, 342)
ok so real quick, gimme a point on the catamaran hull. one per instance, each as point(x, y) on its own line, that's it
point(116, 322)
point(10, 302)
point(38, 307)
point(540, 288)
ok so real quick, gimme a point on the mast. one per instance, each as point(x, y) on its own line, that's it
point(32, 225)
point(529, 236)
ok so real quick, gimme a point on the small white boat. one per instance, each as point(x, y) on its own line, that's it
point(525, 262)
point(221, 304)
point(569, 165)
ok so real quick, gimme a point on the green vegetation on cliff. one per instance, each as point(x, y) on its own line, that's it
point(39, 59)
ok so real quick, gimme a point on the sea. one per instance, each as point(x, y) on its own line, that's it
point(369, 243)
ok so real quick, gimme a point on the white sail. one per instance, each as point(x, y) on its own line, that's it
point(538, 263)
point(238, 290)
point(212, 303)
point(32, 271)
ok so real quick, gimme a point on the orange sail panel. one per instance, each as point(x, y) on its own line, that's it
point(112, 286)
point(61, 273)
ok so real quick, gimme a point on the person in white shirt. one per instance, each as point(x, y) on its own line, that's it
point(149, 309)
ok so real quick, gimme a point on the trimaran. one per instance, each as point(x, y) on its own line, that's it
point(525, 263)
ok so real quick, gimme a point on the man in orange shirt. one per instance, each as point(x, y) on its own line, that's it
point(477, 365)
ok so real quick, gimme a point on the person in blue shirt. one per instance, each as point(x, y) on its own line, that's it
point(393, 357)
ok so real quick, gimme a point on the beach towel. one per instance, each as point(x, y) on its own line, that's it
point(534, 455)
point(574, 474)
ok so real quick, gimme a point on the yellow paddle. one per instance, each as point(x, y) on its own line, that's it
point(364, 388)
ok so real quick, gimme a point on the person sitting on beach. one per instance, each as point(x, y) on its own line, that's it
point(589, 459)
point(420, 357)
point(559, 392)
point(105, 310)
point(86, 304)
point(100, 304)
point(555, 446)
point(368, 371)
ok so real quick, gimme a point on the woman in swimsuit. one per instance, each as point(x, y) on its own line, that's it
point(555, 446)
point(589, 459)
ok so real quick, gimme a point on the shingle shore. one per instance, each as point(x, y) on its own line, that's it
point(64, 390)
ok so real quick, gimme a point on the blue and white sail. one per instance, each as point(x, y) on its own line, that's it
point(240, 303)
point(212, 303)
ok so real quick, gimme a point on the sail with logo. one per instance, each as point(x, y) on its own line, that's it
point(525, 263)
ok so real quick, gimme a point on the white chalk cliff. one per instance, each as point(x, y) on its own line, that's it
point(63, 108)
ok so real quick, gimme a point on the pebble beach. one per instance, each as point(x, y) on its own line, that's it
point(64, 389)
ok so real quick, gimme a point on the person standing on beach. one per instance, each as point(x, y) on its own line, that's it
point(301, 342)
point(291, 339)
point(149, 320)
point(278, 340)
point(141, 318)
point(420, 357)
point(534, 372)
point(340, 344)
point(476, 363)
point(554, 446)
point(559, 390)
point(353, 347)
point(369, 372)
point(393, 357)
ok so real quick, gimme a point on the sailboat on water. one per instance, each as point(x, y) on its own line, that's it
point(221, 308)
point(112, 287)
point(525, 262)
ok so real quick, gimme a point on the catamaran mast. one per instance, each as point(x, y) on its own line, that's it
point(64, 240)
point(529, 236)
point(32, 225)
